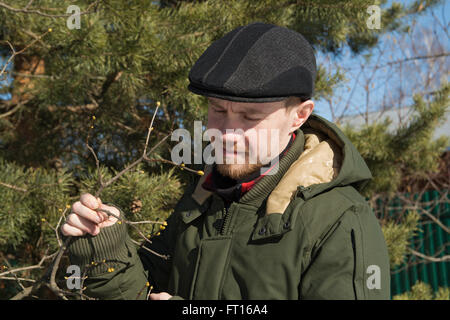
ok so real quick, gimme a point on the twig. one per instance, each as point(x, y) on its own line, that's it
point(149, 292)
point(135, 163)
point(28, 5)
point(13, 110)
point(57, 226)
point(84, 277)
point(121, 219)
point(17, 278)
point(75, 294)
point(13, 187)
point(54, 268)
point(150, 250)
point(109, 213)
point(10, 58)
point(23, 294)
point(37, 266)
point(15, 53)
point(147, 221)
point(175, 164)
point(27, 11)
point(429, 258)
point(97, 163)
point(150, 128)
point(432, 217)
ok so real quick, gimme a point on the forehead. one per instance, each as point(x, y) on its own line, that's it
point(263, 107)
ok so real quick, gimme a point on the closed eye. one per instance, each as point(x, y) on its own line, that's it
point(251, 119)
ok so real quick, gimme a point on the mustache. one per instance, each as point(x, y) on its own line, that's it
point(230, 145)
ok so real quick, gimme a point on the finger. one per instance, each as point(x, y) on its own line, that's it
point(113, 210)
point(155, 296)
point(160, 296)
point(165, 296)
point(86, 213)
point(90, 201)
point(104, 215)
point(68, 230)
point(83, 224)
point(93, 203)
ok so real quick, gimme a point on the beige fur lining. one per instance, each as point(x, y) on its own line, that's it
point(319, 163)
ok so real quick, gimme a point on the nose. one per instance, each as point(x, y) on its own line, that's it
point(230, 121)
point(234, 140)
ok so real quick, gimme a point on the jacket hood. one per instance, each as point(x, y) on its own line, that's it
point(328, 160)
point(321, 158)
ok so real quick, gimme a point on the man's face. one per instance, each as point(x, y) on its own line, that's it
point(252, 134)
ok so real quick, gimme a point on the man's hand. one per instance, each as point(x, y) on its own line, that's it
point(160, 296)
point(84, 219)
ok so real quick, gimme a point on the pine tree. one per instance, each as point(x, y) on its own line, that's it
point(100, 84)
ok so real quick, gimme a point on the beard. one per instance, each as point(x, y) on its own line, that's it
point(237, 171)
point(232, 168)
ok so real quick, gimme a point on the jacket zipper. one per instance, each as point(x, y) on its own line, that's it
point(225, 218)
point(352, 235)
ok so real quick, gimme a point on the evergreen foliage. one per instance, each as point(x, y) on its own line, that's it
point(101, 83)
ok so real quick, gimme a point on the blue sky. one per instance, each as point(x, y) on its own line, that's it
point(5, 82)
point(386, 80)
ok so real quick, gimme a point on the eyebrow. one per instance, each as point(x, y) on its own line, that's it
point(248, 109)
point(216, 104)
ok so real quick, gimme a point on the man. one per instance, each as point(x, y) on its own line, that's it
point(290, 225)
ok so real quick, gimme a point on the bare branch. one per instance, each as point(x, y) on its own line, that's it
point(37, 266)
point(15, 53)
point(150, 128)
point(429, 258)
point(149, 250)
point(18, 278)
point(97, 163)
point(147, 221)
point(13, 187)
point(38, 12)
point(135, 163)
point(15, 276)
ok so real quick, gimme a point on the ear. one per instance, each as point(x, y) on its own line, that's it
point(301, 113)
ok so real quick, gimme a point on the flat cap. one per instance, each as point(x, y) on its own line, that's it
point(259, 62)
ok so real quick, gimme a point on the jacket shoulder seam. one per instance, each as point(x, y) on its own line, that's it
point(353, 201)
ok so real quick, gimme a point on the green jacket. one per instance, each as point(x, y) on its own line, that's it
point(302, 233)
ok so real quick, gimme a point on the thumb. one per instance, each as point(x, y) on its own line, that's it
point(110, 220)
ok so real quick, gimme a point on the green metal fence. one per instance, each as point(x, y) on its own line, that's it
point(432, 241)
